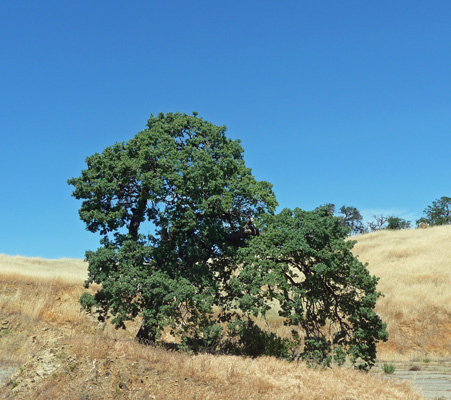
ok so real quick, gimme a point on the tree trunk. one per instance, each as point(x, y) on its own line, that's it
point(138, 214)
point(145, 335)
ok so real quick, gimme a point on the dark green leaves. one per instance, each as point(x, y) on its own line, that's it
point(190, 244)
point(188, 182)
point(304, 262)
point(439, 213)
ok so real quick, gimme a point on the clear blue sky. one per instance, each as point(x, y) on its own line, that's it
point(345, 102)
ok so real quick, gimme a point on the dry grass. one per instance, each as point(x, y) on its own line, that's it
point(49, 300)
point(94, 366)
point(64, 354)
point(25, 302)
point(414, 267)
point(69, 270)
point(167, 375)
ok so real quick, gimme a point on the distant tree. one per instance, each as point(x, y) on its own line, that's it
point(352, 218)
point(304, 263)
point(378, 223)
point(329, 207)
point(189, 183)
point(396, 223)
point(439, 213)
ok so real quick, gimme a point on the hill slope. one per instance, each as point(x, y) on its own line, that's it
point(59, 352)
point(414, 267)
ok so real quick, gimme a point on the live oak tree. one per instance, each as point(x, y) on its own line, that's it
point(350, 217)
point(173, 205)
point(397, 223)
point(190, 243)
point(303, 266)
point(439, 213)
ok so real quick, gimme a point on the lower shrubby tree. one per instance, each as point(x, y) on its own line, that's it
point(396, 223)
point(392, 223)
point(179, 215)
point(303, 263)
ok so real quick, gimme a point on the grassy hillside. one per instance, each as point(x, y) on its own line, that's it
point(59, 352)
point(414, 267)
point(69, 270)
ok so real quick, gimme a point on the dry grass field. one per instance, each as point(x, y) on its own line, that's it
point(60, 353)
point(414, 267)
point(69, 270)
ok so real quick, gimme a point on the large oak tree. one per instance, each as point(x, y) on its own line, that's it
point(173, 205)
point(180, 216)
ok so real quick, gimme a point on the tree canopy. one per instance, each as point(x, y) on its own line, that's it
point(397, 223)
point(439, 213)
point(190, 243)
point(352, 218)
point(303, 265)
point(185, 177)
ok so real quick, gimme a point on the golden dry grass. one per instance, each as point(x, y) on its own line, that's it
point(71, 365)
point(64, 354)
point(67, 269)
point(168, 375)
point(414, 267)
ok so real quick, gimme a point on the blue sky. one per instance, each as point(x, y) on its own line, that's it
point(344, 102)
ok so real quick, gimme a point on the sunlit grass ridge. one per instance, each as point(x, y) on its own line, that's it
point(67, 269)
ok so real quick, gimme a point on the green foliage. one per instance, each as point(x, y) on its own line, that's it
point(167, 203)
point(439, 213)
point(304, 264)
point(352, 218)
point(206, 339)
point(396, 223)
point(87, 302)
point(392, 222)
point(317, 351)
point(13, 384)
point(179, 214)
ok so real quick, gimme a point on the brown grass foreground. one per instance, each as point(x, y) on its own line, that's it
point(60, 353)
